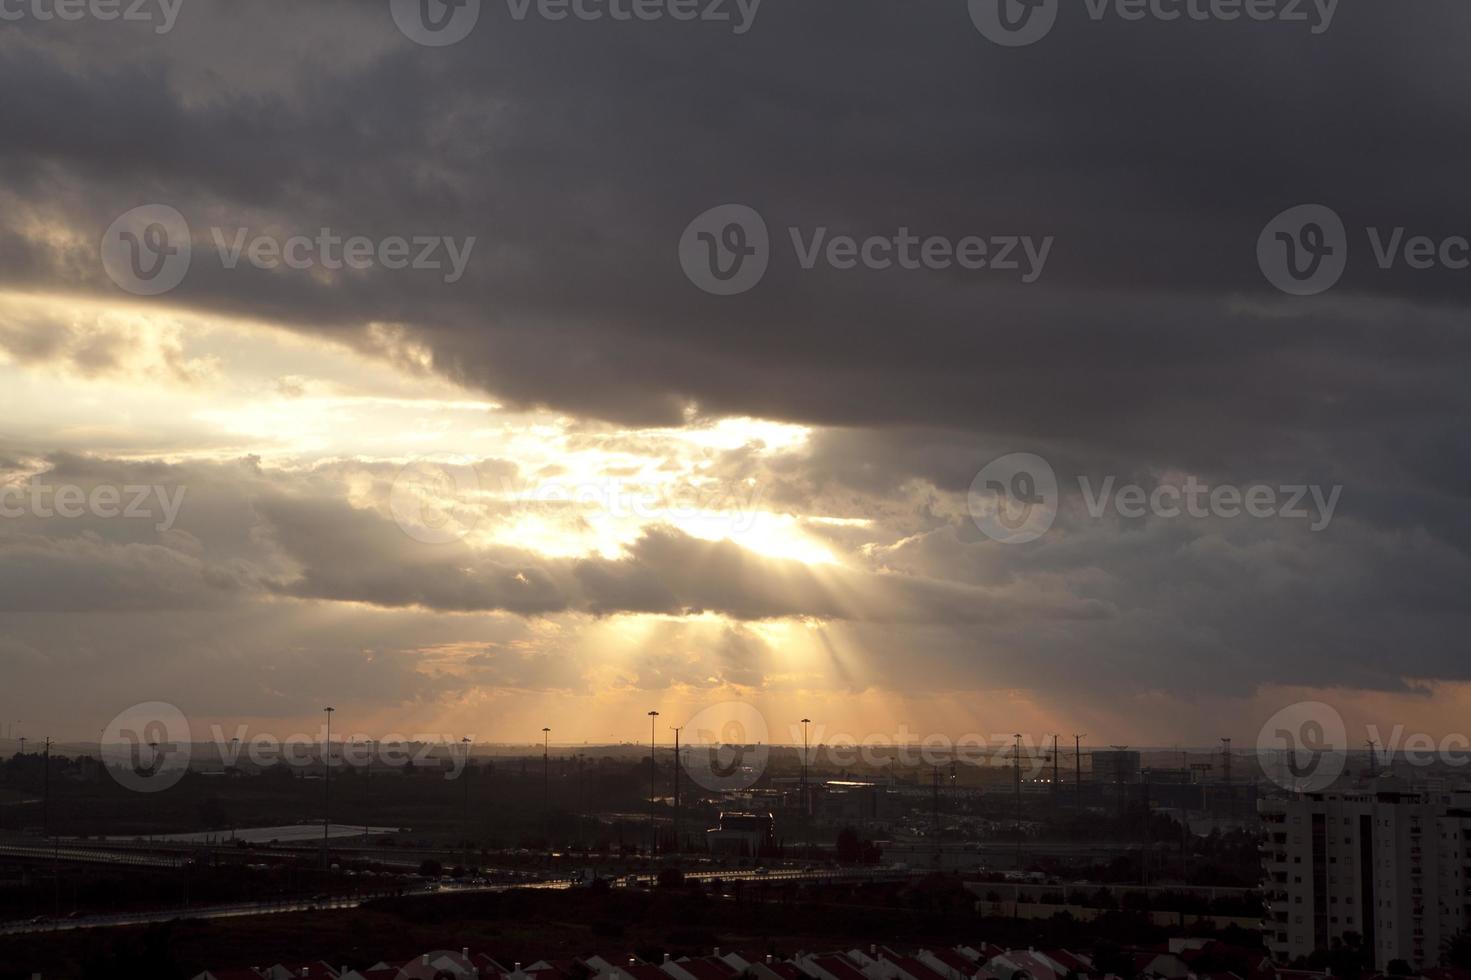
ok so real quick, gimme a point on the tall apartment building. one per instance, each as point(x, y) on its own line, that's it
point(1388, 863)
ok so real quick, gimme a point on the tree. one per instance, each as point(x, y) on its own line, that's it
point(1458, 951)
point(1109, 958)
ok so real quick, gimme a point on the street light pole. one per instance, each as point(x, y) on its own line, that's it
point(326, 784)
point(46, 793)
point(676, 787)
point(546, 789)
point(1016, 763)
point(581, 804)
point(368, 792)
point(653, 778)
point(46, 830)
point(465, 777)
point(1078, 770)
point(1055, 794)
point(803, 801)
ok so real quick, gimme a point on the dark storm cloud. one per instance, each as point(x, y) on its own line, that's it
point(576, 152)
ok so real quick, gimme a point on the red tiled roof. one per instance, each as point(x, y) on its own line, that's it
point(839, 966)
point(706, 968)
point(1070, 961)
point(787, 971)
point(915, 968)
point(643, 971)
point(953, 960)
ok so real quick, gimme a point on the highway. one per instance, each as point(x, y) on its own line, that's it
point(633, 880)
point(78, 853)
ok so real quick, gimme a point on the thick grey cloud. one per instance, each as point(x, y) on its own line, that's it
point(576, 153)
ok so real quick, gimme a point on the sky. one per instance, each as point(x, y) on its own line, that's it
point(531, 459)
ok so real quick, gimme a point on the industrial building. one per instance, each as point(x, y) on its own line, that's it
point(742, 835)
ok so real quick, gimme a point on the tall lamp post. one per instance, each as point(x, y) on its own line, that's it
point(367, 791)
point(803, 801)
point(1078, 770)
point(326, 784)
point(581, 804)
point(46, 825)
point(653, 778)
point(1016, 763)
point(465, 776)
point(46, 791)
point(546, 789)
point(676, 785)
